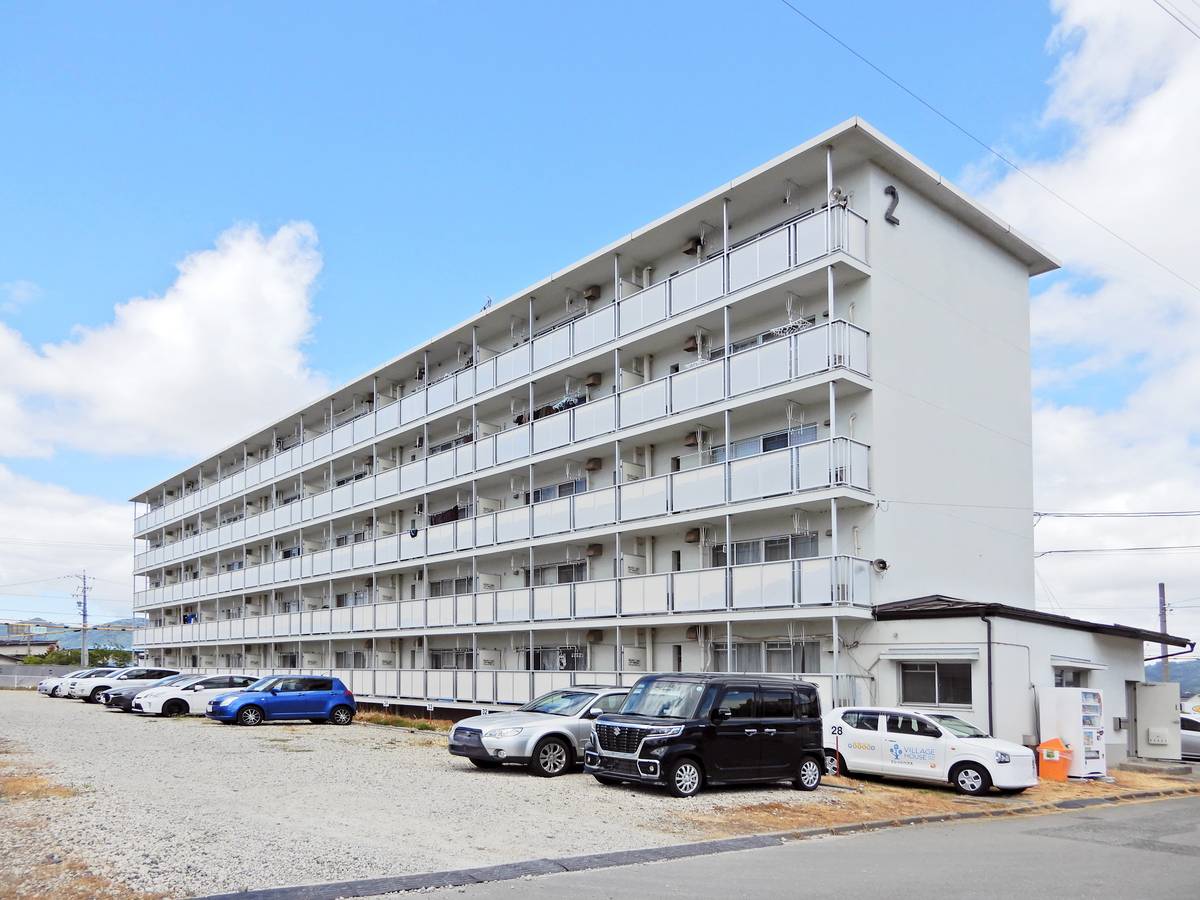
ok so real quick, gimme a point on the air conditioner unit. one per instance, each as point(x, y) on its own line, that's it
point(692, 536)
point(593, 380)
point(591, 292)
point(595, 549)
point(593, 464)
point(693, 633)
point(594, 636)
point(692, 246)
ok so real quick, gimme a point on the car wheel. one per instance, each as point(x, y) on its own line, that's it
point(550, 757)
point(341, 715)
point(484, 763)
point(685, 778)
point(808, 778)
point(250, 715)
point(94, 696)
point(54, 691)
point(835, 763)
point(175, 708)
point(971, 779)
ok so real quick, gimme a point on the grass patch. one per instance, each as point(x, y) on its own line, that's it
point(31, 787)
point(379, 717)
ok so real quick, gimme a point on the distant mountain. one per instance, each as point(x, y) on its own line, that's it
point(99, 636)
point(1185, 671)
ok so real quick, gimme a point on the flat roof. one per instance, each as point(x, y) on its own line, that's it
point(937, 606)
point(855, 141)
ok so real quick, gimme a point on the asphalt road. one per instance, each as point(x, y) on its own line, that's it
point(1135, 850)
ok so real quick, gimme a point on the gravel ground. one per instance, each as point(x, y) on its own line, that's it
point(180, 807)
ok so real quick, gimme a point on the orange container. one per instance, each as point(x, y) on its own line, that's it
point(1054, 760)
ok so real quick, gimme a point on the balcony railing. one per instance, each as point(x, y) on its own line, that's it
point(789, 246)
point(789, 471)
point(818, 581)
point(816, 349)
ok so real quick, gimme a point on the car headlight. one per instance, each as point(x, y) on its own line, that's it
point(227, 701)
point(666, 731)
point(1002, 757)
point(503, 732)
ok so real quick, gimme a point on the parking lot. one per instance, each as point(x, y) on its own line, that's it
point(186, 806)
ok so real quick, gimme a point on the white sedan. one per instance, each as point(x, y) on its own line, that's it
point(188, 698)
point(52, 686)
point(924, 746)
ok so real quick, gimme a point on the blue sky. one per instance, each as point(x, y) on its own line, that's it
point(420, 137)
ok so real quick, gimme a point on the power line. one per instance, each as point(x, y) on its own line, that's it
point(35, 581)
point(1158, 514)
point(11, 540)
point(988, 147)
point(1180, 17)
point(1164, 549)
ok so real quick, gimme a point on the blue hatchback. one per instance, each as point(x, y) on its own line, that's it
point(315, 698)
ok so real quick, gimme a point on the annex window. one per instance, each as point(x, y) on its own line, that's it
point(935, 683)
point(1074, 678)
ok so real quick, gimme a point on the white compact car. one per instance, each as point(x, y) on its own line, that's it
point(188, 698)
point(52, 686)
point(90, 688)
point(924, 746)
point(83, 678)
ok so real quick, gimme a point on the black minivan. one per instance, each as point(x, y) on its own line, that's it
point(685, 731)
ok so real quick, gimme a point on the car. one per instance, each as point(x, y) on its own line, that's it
point(1189, 736)
point(547, 734)
point(685, 731)
point(316, 698)
point(73, 683)
point(90, 689)
point(189, 697)
point(52, 686)
point(941, 747)
point(121, 698)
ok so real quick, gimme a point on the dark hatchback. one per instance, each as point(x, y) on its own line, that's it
point(685, 731)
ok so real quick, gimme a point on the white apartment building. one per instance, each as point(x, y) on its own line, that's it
point(717, 444)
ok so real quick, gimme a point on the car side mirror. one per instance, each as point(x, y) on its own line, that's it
point(595, 712)
point(722, 714)
point(274, 690)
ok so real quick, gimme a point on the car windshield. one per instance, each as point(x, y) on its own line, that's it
point(560, 703)
point(264, 683)
point(663, 699)
point(958, 727)
point(97, 673)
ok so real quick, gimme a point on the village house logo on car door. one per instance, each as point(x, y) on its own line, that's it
point(910, 755)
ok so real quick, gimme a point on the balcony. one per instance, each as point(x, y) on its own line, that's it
point(839, 462)
point(789, 246)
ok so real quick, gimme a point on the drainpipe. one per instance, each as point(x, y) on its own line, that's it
point(991, 717)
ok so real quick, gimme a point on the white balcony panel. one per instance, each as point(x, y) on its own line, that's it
point(464, 534)
point(237, 628)
point(640, 499)
point(439, 611)
point(552, 517)
point(439, 685)
point(253, 576)
point(411, 684)
point(412, 614)
point(595, 598)
point(343, 619)
point(464, 459)
point(322, 503)
point(513, 687)
point(552, 431)
point(343, 437)
point(364, 491)
point(322, 562)
point(758, 587)
point(464, 385)
point(810, 238)
point(485, 452)
point(512, 524)
point(485, 376)
point(412, 475)
point(440, 395)
point(645, 594)
point(223, 583)
point(644, 308)
point(512, 606)
point(594, 508)
point(363, 618)
point(254, 627)
point(306, 566)
point(698, 488)
point(387, 417)
point(387, 549)
point(512, 444)
point(512, 364)
point(343, 558)
point(595, 329)
point(385, 683)
point(552, 602)
point(362, 682)
point(464, 685)
point(764, 475)
point(697, 285)
point(387, 616)
point(858, 476)
point(816, 580)
point(759, 259)
point(485, 607)
point(412, 407)
point(364, 428)
point(322, 621)
point(412, 547)
point(485, 530)
point(760, 367)
point(439, 467)
point(210, 631)
point(387, 483)
point(643, 403)
point(552, 347)
point(812, 351)
point(343, 497)
point(812, 465)
point(595, 417)
point(857, 349)
point(322, 445)
point(364, 554)
point(464, 609)
point(697, 386)
point(701, 589)
point(440, 539)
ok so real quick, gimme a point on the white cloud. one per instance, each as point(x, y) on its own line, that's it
point(1128, 90)
point(219, 353)
point(16, 294)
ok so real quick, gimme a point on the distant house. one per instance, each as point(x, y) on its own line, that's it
point(15, 647)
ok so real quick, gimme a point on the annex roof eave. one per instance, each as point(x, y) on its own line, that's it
point(858, 139)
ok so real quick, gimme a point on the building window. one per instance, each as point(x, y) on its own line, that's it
point(554, 659)
point(451, 659)
point(1072, 678)
point(787, 657)
point(935, 683)
point(773, 549)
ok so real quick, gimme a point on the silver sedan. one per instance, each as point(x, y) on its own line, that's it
point(547, 734)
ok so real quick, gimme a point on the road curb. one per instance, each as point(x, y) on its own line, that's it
point(534, 867)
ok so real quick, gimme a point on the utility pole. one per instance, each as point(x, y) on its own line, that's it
point(82, 604)
point(1162, 626)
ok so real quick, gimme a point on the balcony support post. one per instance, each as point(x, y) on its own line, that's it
point(836, 641)
point(728, 645)
point(618, 655)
